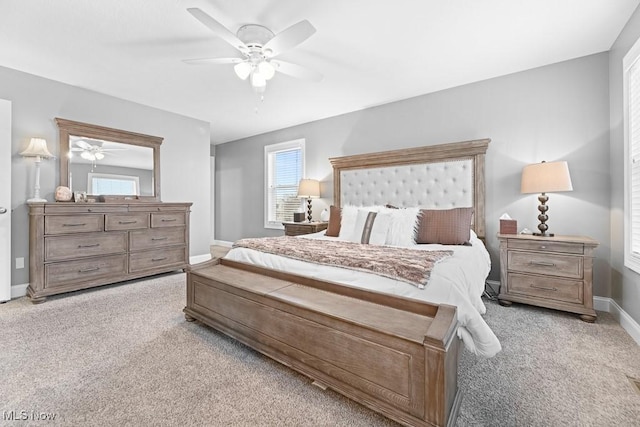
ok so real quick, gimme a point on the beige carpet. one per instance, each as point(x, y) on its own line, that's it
point(124, 355)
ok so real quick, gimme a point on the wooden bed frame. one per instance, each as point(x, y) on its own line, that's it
point(394, 355)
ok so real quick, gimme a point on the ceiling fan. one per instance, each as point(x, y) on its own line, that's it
point(91, 152)
point(259, 46)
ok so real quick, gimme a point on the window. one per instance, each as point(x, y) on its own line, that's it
point(631, 82)
point(116, 185)
point(284, 167)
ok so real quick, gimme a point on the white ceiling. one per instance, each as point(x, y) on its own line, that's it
point(371, 52)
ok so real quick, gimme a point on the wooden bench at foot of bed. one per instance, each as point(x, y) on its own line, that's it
point(396, 356)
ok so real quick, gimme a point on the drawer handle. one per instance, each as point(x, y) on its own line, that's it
point(158, 238)
point(127, 222)
point(87, 270)
point(542, 263)
point(159, 259)
point(75, 225)
point(543, 247)
point(95, 245)
point(169, 219)
point(543, 288)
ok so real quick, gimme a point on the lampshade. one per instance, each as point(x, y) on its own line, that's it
point(37, 148)
point(267, 70)
point(309, 188)
point(242, 69)
point(546, 177)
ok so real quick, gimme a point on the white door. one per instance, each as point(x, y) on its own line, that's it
point(5, 200)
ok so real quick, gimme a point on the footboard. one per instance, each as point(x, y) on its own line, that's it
point(396, 356)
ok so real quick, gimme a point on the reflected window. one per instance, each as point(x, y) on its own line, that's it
point(117, 185)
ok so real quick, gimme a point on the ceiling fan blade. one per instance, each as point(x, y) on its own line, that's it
point(297, 71)
point(210, 61)
point(83, 144)
point(292, 36)
point(219, 29)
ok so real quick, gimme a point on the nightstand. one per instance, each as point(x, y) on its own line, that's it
point(553, 272)
point(298, 228)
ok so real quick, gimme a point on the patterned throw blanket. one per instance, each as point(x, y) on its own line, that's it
point(408, 265)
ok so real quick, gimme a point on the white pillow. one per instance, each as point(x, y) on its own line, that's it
point(379, 228)
point(348, 221)
point(402, 230)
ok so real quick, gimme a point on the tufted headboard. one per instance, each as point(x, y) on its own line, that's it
point(440, 176)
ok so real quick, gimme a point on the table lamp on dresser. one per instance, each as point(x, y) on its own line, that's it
point(309, 189)
point(545, 177)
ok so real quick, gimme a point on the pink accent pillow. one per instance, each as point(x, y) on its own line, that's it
point(445, 226)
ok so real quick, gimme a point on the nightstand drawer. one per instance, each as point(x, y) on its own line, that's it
point(540, 263)
point(546, 246)
point(547, 288)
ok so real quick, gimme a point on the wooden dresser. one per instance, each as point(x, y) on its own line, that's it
point(553, 272)
point(82, 245)
point(298, 228)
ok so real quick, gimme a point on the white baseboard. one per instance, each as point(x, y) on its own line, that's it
point(18, 291)
point(627, 322)
point(222, 243)
point(197, 259)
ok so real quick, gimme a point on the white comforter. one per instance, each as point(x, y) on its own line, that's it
point(457, 280)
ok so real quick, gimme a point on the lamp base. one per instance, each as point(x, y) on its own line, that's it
point(36, 200)
point(544, 234)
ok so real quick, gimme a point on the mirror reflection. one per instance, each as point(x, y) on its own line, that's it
point(109, 164)
point(102, 167)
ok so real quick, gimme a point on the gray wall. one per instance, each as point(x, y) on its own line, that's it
point(185, 170)
point(625, 284)
point(556, 112)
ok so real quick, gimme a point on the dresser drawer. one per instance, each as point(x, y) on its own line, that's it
point(156, 238)
point(547, 288)
point(168, 219)
point(126, 221)
point(65, 224)
point(68, 247)
point(153, 260)
point(542, 263)
point(546, 246)
point(71, 272)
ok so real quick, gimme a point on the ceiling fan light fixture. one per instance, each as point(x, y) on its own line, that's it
point(99, 156)
point(258, 80)
point(242, 69)
point(85, 155)
point(267, 70)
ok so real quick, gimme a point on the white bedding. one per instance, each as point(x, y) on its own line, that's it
point(457, 280)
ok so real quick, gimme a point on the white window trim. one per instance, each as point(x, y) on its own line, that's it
point(296, 143)
point(631, 260)
point(133, 178)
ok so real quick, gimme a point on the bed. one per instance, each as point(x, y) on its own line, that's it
point(389, 343)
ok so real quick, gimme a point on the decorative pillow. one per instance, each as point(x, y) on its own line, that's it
point(349, 214)
point(402, 229)
point(371, 227)
point(445, 226)
point(335, 217)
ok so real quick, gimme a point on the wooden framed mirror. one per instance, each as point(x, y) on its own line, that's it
point(109, 163)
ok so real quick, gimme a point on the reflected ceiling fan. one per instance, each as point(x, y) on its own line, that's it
point(91, 152)
point(259, 46)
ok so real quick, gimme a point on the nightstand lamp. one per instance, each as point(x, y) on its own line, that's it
point(309, 189)
point(37, 148)
point(545, 178)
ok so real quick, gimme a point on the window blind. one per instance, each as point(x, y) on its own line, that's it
point(284, 169)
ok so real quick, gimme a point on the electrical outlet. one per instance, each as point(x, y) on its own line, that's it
point(19, 263)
